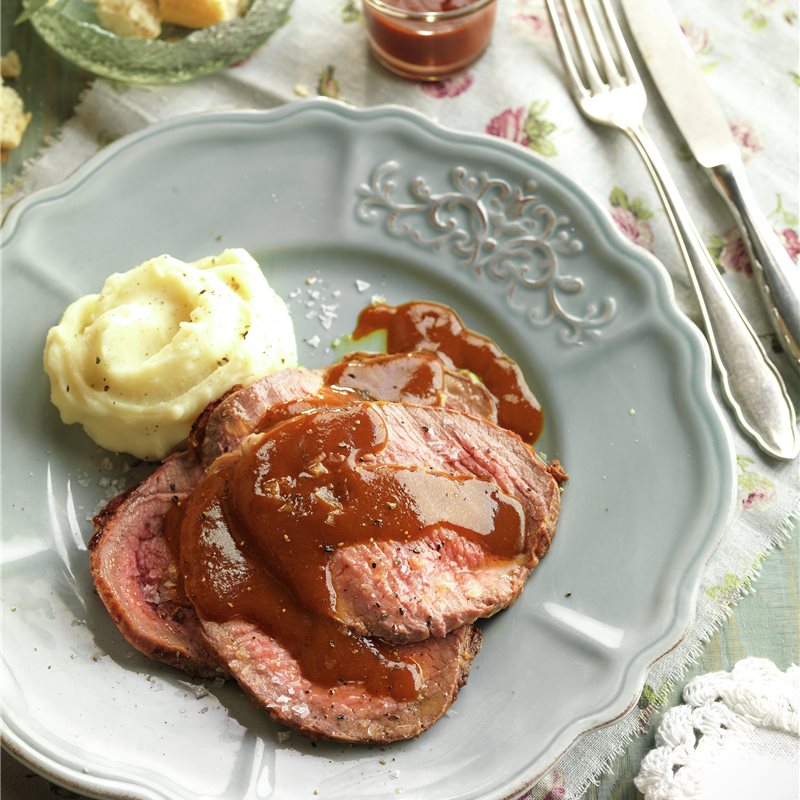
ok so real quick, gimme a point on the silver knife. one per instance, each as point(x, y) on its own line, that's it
point(697, 114)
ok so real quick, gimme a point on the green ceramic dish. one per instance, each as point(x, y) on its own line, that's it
point(71, 28)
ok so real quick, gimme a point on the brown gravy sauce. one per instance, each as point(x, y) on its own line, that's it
point(435, 327)
point(255, 539)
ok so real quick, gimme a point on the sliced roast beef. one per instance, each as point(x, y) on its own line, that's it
point(418, 377)
point(468, 395)
point(136, 572)
point(238, 414)
point(404, 591)
point(273, 680)
point(420, 593)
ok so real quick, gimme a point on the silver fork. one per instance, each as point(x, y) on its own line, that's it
point(608, 90)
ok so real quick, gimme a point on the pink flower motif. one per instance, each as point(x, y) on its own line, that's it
point(529, 18)
point(533, 24)
point(734, 256)
point(556, 793)
point(699, 38)
point(757, 497)
point(791, 242)
point(637, 230)
point(451, 87)
point(510, 124)
point(746, 138)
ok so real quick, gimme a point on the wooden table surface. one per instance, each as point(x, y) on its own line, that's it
point(764, 623)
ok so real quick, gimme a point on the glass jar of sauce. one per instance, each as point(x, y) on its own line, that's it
point(428, 39)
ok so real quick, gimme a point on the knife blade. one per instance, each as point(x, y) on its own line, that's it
point(695, 110)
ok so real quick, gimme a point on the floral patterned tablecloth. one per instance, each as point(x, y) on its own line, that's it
point(749, 52)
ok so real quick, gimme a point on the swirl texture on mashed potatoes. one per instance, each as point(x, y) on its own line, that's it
point(136, 363)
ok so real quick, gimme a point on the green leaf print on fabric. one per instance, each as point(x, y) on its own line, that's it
point(758, 13)
point(733, 585)
point(327, 85)
point(781, 215)
point(351, 12)
point(538, 129)
point(795, 78)
point(652, 696)
point(727, 591)
point(637, 206)
point(757, 20)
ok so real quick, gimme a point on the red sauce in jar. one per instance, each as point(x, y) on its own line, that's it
point(428, 39)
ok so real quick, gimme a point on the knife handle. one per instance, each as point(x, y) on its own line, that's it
point(777, 276)
point(751, 385)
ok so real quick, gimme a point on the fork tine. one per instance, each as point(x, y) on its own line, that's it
point(582, 46)
point(599, 38)
point(628, 67)
point(576, 81)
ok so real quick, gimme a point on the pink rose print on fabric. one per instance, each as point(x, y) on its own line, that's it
point(632, 218)
point(699, 38)
point(449, 88)
point(747, 139)
point(556, 790)
point(791, 242)
point(509, 124)
point(701, 43)
point(529, 129)
point(529, 18)
point(730, 254)
point(632, 228)
point(755, 490)
point(757, 498)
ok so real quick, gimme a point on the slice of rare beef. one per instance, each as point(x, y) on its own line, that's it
point(408, 521)
point(404, 591)
point(238, 414)
point(418, 377)
point(271, 677)
point(136, 573)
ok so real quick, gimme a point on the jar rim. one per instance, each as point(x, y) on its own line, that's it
point(426, 16)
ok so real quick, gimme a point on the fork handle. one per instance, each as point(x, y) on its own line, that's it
point(749, 381)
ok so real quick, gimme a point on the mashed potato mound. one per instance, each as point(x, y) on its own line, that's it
point(138, 362)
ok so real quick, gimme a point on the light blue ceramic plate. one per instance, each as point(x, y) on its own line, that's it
point(330, 199)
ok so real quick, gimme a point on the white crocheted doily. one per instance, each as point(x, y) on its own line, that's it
point(736, 736)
